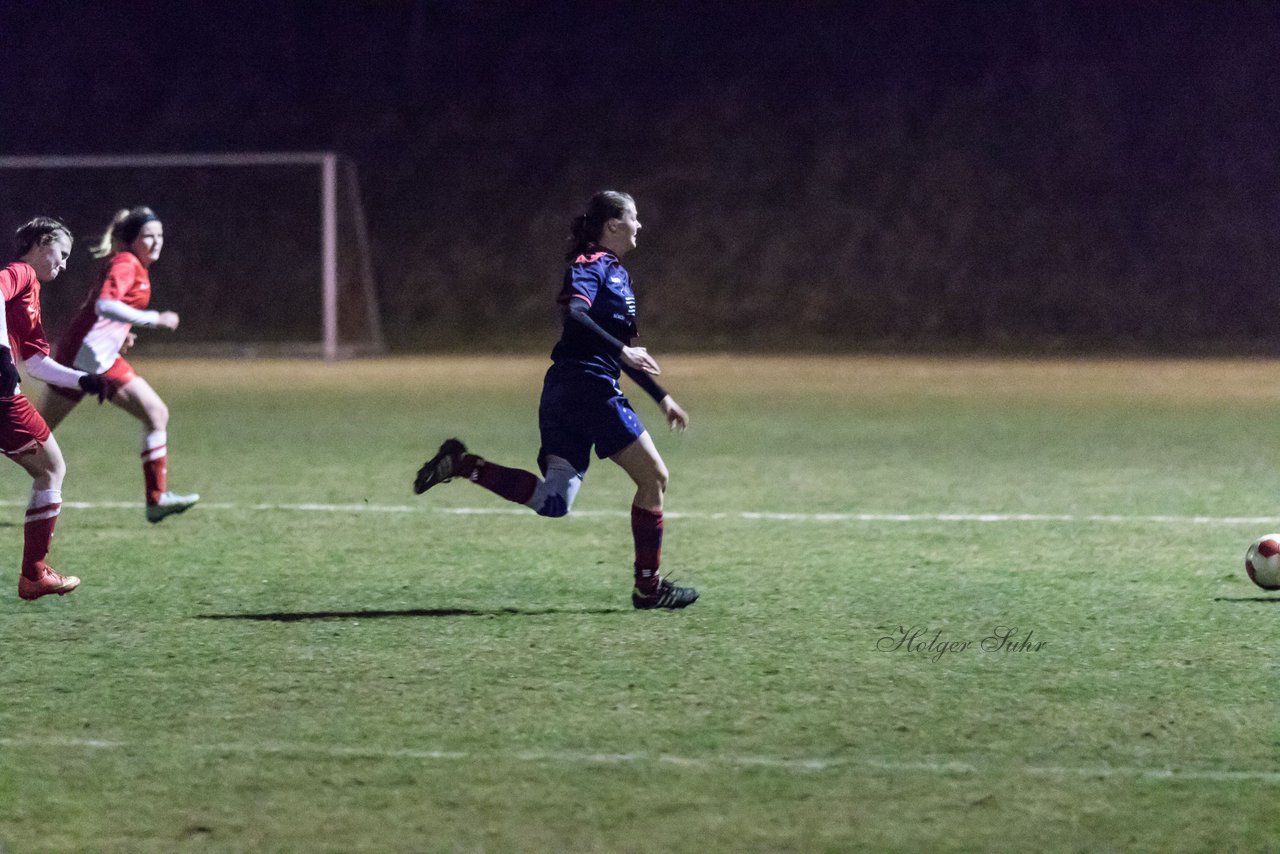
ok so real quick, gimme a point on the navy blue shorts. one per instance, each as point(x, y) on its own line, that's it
point(579, 410)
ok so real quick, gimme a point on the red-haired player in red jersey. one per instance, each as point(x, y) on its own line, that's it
point(102, 330)
point(41, 247)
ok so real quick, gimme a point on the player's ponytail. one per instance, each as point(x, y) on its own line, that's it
point(585, 228)
point(122, 231)
point(104, 244)
point(41, 230)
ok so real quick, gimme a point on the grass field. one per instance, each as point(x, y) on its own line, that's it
point(317, 660)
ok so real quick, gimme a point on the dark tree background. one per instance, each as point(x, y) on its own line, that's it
point(822, 175)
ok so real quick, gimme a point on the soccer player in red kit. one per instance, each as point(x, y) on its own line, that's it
point(103, 328)
point(41, 248)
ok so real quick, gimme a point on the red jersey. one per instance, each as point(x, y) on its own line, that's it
point(92, 343)
point(21, 291)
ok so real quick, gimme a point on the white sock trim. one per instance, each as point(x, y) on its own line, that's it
point(154, 444)
point(46, 503)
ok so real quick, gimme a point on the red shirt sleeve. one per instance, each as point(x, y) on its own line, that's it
point(21, 294)
point(12, 279)
point(121, 277)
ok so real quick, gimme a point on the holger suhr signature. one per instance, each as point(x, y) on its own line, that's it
point(933, 643)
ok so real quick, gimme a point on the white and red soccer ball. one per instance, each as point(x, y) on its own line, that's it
point(1262, 562)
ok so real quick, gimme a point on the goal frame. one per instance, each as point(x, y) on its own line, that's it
point(332, 167)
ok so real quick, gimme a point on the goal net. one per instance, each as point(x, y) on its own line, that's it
point(264, 253)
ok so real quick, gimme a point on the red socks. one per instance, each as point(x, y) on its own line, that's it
point(646, 528)
point(37, 533)
point(154, 470)
point(515, 485)
point(154, 474)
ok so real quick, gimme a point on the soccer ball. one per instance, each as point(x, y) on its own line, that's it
point(1262, 562)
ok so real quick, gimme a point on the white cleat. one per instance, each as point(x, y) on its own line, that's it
point(168, 504)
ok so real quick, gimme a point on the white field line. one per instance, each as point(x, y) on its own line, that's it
point(941, 768)
point(741, 515)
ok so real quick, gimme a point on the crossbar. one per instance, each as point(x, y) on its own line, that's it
point(326, 160)
point(111, 161)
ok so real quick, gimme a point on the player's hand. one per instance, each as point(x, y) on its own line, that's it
point(129, 340)
point(677, 418)
point(9, 376)
point(167, 320)
point(639, 358)
point(95, 385)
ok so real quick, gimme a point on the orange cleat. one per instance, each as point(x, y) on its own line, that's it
point(48, 582)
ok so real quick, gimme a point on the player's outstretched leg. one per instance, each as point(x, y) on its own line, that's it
point(551, 496)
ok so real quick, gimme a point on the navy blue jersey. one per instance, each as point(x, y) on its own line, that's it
point(597, 278)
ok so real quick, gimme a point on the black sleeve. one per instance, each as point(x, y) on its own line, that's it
point(578, 314)
point(9, 377)
point(646, 382)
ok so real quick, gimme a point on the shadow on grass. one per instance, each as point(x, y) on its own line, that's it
point(297, 616)
point(1272, 599)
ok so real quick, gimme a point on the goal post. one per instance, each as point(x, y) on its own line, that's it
point(343, 282)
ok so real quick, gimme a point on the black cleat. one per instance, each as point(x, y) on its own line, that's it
point(666, 596)
point(441, 468)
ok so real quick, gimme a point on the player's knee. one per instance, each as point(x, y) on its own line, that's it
point(51, 473)
point(661, 477)
point(158, 415)
point(553, 507)
point(554, 496)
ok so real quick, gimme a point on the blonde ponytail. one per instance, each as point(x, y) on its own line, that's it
point(106, 245)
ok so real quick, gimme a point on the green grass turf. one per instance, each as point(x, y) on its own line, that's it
point(243, 679)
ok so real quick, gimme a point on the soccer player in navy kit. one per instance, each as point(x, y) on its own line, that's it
point(582, 405)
